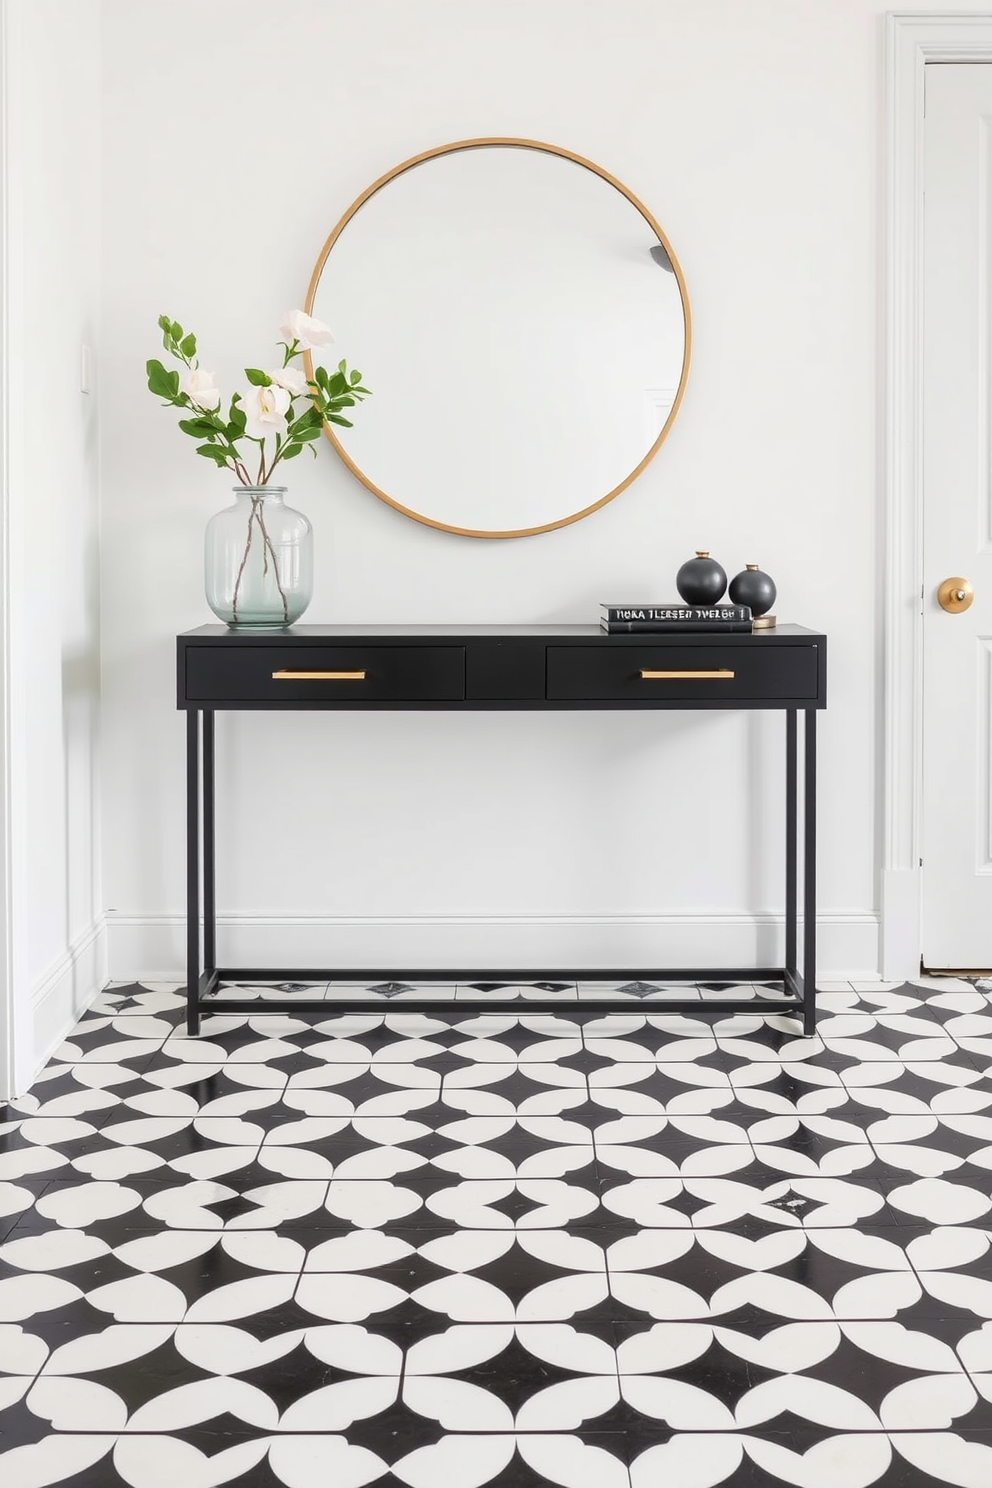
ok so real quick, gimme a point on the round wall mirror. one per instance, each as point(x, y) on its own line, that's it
point(523, 325)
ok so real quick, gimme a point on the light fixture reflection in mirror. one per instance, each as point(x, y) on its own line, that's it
point(504, 303)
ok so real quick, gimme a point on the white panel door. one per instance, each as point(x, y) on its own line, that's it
point(957, 521)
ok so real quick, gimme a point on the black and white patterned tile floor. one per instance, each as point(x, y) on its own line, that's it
point(481, 1250)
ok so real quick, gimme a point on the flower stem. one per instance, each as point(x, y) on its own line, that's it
point(241, 568)
point(278, 454)
point(275, 566)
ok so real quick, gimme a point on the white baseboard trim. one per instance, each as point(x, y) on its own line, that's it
point(64, 994)
point(901, 923)
point(153, 948)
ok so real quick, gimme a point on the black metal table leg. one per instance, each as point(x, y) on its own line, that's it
point(209, 899)
point(791, 834)
point(809, 874)
point(193, 870)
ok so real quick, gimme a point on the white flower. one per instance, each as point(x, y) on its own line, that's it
point(305, 331)
point(265, 411)
point(200, 389)
point(292, 379)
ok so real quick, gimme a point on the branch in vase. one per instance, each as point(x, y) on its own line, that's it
point(275, 564)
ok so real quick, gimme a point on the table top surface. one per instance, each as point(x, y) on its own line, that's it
point(538, 630)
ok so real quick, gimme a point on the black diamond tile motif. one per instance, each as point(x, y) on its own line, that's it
point(638, 989)
point(585, 1251)
point(505, 986)
point(514, 1204)
point(391, 989)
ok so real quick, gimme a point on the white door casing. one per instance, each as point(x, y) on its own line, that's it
point(8, 1080)
point(957, 517)
point(913, 41)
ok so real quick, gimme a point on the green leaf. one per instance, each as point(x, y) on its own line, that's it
point(304, 435)
point(257, 378)
point(199, 428)
point(290, 451)
point(165, 324)
point(236, 423)
point(211, 452)
point(173, 380)
point(337, 384)
point(176, 331)
point(343, 368)
point(188, 345)
point(311, 419)
point(354, 378)
point(160, 381)
point(333, 418)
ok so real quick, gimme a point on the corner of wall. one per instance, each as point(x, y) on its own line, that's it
point(7, 1058)
point(63, 995)
point(49, 685)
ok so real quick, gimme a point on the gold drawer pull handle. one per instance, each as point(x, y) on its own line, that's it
point(318, 676)
point(722, 674)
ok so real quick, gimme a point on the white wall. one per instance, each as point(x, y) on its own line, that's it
point(51, 75)
point(235, 134)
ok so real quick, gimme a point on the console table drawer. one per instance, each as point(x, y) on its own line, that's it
point(316, 674)
point(707, 674)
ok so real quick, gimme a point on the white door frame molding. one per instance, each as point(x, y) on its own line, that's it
point(912, 40)
point(7, 1061)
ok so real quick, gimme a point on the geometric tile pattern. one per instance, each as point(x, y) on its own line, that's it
point(481, 991)
point(503, 1249)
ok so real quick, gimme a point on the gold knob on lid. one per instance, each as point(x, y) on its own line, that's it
point(702, 553)
point(751, 567)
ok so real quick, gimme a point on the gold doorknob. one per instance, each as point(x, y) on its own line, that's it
point(955, 595)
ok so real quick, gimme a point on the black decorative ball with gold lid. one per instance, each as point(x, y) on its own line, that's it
point(701, 580)
point(754, 588)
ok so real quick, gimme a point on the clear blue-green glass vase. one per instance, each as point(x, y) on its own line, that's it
point(258, 560)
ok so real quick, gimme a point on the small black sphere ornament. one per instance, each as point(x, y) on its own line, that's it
point(701, 580)
point(754, 588)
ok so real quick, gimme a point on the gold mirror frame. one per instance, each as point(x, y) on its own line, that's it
point(524, 144)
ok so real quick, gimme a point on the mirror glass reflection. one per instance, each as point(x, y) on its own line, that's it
point(522, 324)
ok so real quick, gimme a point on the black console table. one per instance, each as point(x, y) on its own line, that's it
point(526, 668)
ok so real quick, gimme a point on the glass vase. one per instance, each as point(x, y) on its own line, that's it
point(258, 560)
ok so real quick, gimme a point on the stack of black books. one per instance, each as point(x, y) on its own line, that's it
point(655, 618)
